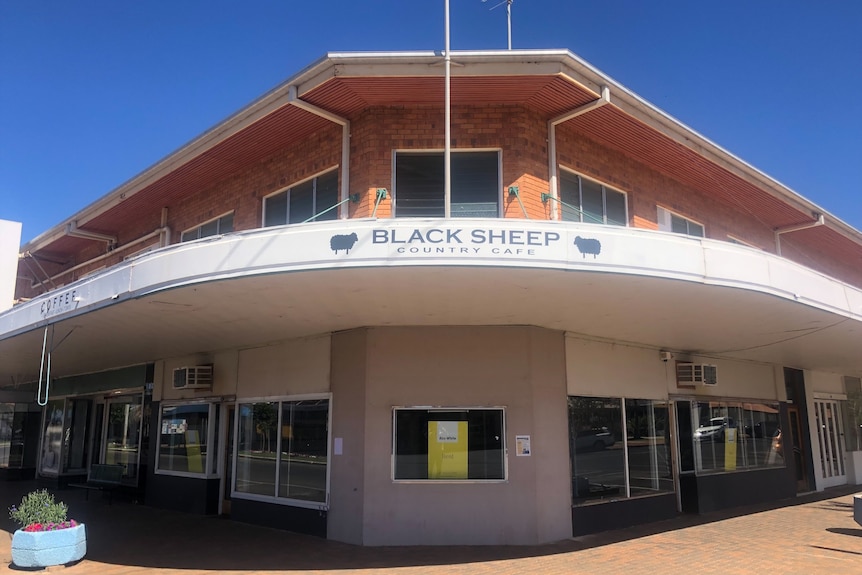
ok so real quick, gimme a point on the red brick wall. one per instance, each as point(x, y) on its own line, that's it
point(519, 132)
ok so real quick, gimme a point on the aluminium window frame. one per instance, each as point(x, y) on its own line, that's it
point(427, 408)
point(580, 206)
point(274, 499)
point(288, 188)
point(672, 451)
point(687, 400)
point(671, 213)
point(417, 151)
point(210, 470)
point(202, 224)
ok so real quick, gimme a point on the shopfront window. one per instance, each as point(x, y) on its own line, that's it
point(52, 438)
point(723, 436)
point(14, 424)
point(618, 448)
point(283, 450)
point(449, 444)
point(184, 438)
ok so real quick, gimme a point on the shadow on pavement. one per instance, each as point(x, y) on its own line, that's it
point(124, 533)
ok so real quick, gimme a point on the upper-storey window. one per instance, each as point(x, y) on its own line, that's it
point(671, 222)
point(584, 200)
point(214, 227)
point(420, 187)
point(303, 201)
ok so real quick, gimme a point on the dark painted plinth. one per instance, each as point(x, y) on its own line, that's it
point(587, 519)
point(296, 519)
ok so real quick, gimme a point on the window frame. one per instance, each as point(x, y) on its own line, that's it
point(736, 241)
point(211, 463)
point(209, 221)
point(624, 440)
point(580, 206)
point(280, 400)
point(667, 226)
point(286, 190)
point(436, 151)
point(445, 409)
point(725, 403)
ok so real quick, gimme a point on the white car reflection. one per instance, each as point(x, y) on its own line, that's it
point(714, 429)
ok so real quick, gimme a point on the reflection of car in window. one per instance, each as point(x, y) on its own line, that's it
point(713, 430)
point(593, 439)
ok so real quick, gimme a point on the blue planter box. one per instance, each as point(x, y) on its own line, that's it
point(46, 548)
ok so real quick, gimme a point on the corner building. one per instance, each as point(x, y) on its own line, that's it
point(607, 320)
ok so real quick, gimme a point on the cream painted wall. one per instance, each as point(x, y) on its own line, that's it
point(519, 368)
point(742, 379)
point(605, 369)
point(824, 382)
point(10, 242)
point(292, 367)
point(224, 376)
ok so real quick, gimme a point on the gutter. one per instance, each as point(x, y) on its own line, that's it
point(798, 227)
point(294, 100)
point(604, 99)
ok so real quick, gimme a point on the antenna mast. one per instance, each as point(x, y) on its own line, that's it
point(508, 4)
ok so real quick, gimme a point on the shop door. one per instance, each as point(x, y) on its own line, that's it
point(76, 442)
point(795, 449)
point(123, 434)
point(830, 438)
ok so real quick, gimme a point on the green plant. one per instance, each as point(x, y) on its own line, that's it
point(38, 507)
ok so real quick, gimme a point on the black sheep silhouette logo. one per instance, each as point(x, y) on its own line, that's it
point(343, 242)
point(588, 246)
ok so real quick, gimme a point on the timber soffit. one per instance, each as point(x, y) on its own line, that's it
point(468, 64)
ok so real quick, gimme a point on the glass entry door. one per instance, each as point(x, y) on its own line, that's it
point(830, 437)
point(123, 433)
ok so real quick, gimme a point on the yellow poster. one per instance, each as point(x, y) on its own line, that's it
point(193, 452)
point(447, 450)
point(730, 449)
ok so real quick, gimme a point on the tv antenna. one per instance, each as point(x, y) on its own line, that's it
point(508, 4)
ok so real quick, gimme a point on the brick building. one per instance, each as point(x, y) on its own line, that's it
point(606, 319)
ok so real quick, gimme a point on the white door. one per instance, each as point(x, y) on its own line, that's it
point(830, 438)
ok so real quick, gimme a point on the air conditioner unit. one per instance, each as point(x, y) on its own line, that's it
point(696, 374)
point(197, 377)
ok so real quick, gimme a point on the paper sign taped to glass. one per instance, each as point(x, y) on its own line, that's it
point(447, 450)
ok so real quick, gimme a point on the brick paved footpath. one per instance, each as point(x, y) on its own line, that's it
point(812, 534)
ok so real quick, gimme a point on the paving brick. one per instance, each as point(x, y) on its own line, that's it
point(808, 535)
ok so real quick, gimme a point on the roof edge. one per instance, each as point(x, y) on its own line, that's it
point(325, 67)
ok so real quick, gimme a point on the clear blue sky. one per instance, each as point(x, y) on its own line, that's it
point(92, 92)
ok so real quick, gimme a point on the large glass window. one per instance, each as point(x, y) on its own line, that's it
point(420, 186)
point(184, 438)
point(852, 411)
point(721, 436)
point(584, 200)
point(449, 444)
point(52, 438)
point(283, 449)
point(14, 423)
point(618, 448)
point(303, 201)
